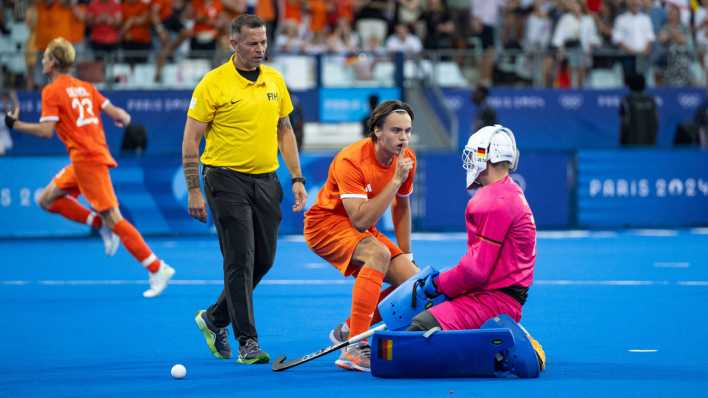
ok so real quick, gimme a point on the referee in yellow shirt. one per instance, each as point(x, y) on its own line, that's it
point(241, 108)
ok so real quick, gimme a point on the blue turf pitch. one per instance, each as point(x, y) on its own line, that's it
point(619, 314)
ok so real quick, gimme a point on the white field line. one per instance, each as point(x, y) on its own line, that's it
point(669, 264)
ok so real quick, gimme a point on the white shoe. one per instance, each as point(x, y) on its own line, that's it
point(158, 280)
point(111, 241)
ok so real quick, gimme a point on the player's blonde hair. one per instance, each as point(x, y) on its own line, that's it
point(63, 52)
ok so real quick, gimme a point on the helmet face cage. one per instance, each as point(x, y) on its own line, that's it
point(479, 149)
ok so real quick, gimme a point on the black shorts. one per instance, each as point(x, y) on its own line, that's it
point(173, 23)
point(486, 36)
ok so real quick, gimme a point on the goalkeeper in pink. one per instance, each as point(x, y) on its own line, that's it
point(494, 275)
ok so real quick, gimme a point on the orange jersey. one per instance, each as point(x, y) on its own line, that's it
point(53, 20)
point(76, 106)
point(164, 8)
point(137, 33)
point(207, 15)
point(355, 173)
point(318, 15)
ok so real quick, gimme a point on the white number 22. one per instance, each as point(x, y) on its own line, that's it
point(86, 115)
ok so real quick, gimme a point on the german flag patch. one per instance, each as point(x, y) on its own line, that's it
point(386, 349)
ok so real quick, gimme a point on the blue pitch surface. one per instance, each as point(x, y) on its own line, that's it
point(618, 313)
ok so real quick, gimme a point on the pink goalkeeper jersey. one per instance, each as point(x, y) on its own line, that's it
point(501, 242)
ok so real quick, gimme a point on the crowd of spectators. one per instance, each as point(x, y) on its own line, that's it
point(562, 39)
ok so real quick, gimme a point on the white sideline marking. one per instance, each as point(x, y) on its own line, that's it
point(563, 234)
point(429, 236)
point(315, 265)
point(692, 283)
point(16, 283)
point(672, 264)
point(655, 232)
point(699, 231)
point(567, 282)
point(643, 350)
point(326, 282)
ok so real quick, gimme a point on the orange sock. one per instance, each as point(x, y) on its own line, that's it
point(133, 241)
point(365, 296)
point(377, 316)
point(71, 209)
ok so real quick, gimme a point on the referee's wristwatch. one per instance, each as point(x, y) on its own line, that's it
point(298, 179)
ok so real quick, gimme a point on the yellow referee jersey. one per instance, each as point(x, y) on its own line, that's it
point(242, 117)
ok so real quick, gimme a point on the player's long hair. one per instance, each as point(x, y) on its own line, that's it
point(63, 52)
point(379, 115)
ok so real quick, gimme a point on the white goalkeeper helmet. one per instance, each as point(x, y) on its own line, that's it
point(490, 143)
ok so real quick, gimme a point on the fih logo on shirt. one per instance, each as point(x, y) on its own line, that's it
point(272, 96)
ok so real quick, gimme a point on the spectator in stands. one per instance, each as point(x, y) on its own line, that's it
point(460, 13)
point(317, 12)
point(209, 25)
point(54, 18)
point(174, 30)
point(535, 44)
point(292, 10)
point(485, 115)
point(288, 40)
point(31, 47)
point(316, 43)
point(342, 10)
point(639, 118)
point(342, 40)
point(104, 17)
point(403, 41)
point(160, 12)
point(439, 26)
point(371, 19)
point(267, 10)
point(485, 17)
point(574, 37)
point(135, 31)
point(657, 13)
point(700, 27)
point(408, 11)
point(634, 35)
point(674, 64)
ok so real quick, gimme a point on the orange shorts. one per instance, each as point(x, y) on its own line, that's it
point(90, 179)
point(333, 238)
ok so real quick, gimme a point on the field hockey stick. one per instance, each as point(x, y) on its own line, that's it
point(279, 364)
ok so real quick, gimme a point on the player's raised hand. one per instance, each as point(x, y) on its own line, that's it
point(196, 205)
point(403, 168)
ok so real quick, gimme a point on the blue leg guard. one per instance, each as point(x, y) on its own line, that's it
point(519, 359)
point(398, 308)
point(456, 353)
